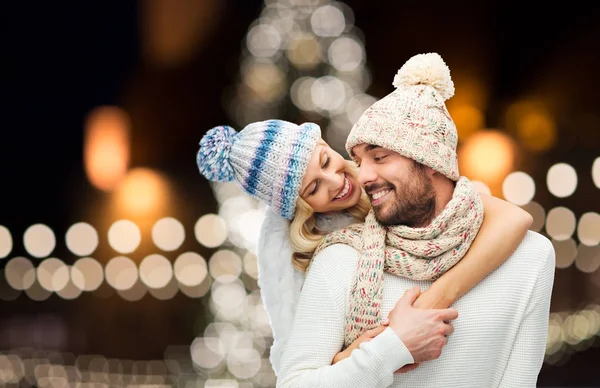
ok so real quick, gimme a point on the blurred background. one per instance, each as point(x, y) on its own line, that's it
point(122, 266)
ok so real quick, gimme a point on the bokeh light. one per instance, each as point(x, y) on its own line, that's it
point(560, 223)
point(39, 240)
point(53, 274)
point(251, 265)
point(207, 353)
point(143, 192)
point(6, 242)
point(173, 31)
point(468, 120)
point(537, 131)
point(121, 273)
point(106, 146)
point(134, 293)
point(538, 213)
point(328, 93)
point(346, 54)
point(533, 125)
point(487, 156)
point(565, 251)
point(225, 265)
point(588, 258)
point(190, 269)
point(20, 273)
point(168, 234)
point(167, 292)
point(596, 172)
point(156, 271)
point(301, 93)
point(588, 229)
point(328, 21)
point(304, 51)
point(70, 291)
point(124, 236)
point(263, 40)
point(87, 274)
point(38, 293)
point(210, 230)
point(518, 188)
point(561, 180)
point(82, 239)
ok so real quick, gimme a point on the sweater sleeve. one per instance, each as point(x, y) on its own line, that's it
point(318, 335)
point(280, 283)
point(527, 355)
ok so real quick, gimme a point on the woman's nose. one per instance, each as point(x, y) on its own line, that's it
point(336, 180)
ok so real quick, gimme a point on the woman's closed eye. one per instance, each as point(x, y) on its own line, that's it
point(324, 166)
point(316, 187)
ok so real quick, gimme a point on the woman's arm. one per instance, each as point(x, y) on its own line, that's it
point(279, 282)
point(504, 226)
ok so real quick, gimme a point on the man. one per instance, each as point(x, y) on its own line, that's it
point(405, 145)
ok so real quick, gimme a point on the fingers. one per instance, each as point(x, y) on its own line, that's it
point(448, 314)
point(407, 368)
point(448, 329)
point(376, 331)
point(409, 296)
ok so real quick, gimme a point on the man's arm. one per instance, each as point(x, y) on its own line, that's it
point(527, 355)
point(318, 335)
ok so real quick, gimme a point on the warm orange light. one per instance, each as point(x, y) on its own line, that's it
point(487, 156)
point(532, 123)
point(173, 31)
point(106, 147)
point(537, 131)
point(143, 191)
point(468, 120)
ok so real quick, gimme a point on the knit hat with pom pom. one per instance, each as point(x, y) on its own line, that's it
point(413, 120)
point(267, 159)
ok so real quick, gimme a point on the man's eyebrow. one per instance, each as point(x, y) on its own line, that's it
point(371, 147)
point(368, 148)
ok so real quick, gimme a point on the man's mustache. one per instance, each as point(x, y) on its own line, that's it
point(373, 187)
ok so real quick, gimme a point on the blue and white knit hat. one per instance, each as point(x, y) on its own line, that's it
point(267, 159)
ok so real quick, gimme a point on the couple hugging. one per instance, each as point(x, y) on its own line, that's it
point(389, 270)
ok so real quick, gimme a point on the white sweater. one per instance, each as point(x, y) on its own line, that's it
point(499, 338)
point(280, 283)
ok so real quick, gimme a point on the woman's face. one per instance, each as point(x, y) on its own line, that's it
point(329, 184)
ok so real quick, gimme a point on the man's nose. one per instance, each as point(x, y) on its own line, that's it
point(366, 174)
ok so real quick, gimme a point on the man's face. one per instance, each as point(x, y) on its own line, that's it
point(400, 189)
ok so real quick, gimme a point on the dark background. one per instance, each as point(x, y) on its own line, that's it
point(62, 59)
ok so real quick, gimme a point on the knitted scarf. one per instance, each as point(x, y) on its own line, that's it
point(415, 253)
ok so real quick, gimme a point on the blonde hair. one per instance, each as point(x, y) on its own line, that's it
point(304, 236)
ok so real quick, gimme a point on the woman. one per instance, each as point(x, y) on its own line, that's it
point(312, 190)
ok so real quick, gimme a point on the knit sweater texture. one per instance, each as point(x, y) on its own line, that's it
point(499, 338)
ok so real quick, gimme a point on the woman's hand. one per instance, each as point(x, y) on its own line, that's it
point(365, 337)
point(433, 298)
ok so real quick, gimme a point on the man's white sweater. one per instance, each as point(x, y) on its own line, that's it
point(499, 338)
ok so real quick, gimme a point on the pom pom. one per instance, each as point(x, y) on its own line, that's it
point(213, 157)
point(426, 69)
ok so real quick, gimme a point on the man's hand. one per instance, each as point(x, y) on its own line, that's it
point(365, 337)
point(423, 332)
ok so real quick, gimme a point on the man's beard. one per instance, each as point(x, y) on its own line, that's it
point(414, 202)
